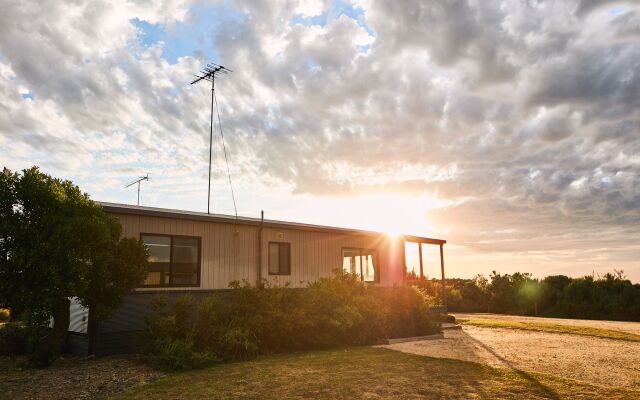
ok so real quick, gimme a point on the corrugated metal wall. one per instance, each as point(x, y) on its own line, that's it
point(230, 252)
point(78, 317)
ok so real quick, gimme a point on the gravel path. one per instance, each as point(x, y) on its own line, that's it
point(630, 327)
point(605, 362)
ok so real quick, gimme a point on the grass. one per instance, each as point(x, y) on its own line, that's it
point(365, 373)
point(550, 327)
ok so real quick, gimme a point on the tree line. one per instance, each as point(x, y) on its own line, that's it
point(610, 296)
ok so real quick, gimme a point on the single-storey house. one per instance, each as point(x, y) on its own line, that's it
point(197, 253)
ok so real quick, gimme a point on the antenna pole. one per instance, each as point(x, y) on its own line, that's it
point(209, 73)
point(138, 181)
point(210, 146)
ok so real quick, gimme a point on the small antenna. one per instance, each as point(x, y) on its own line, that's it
point(209, 73)
point(142, 178)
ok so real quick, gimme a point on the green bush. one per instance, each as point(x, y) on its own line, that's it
point(237, 343)
point(13, 339)
point(4, 314)
point(248, 320)
point(177, 354)
point(168, 342)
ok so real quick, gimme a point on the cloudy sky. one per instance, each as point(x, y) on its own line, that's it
point(509, 128)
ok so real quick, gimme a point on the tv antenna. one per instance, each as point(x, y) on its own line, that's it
point(140, 179)
point(210, 73)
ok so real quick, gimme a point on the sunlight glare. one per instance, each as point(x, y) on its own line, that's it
point(392, 213)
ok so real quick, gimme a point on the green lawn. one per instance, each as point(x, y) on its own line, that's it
point(550, 327)
point(364, 372)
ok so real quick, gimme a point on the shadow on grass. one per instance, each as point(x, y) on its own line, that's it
point(548, 392)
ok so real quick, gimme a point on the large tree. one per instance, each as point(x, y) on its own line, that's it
point(55, 244)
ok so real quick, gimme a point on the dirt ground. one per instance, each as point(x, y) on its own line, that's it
point(630, 327)
point(605, 362)
point(72, 378)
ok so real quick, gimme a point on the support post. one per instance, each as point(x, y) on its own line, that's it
point(260, 248)
point(420, 255)
point(444, 285)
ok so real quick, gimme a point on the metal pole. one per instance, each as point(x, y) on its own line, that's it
point(210, 146)
point(420, 255)
point(444, 285)
point(259, 283)
point(139, 192)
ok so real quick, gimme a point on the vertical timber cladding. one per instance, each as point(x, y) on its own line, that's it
point(230, 251)
point(316, 254)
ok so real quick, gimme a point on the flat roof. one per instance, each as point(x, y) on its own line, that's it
point(117, 208)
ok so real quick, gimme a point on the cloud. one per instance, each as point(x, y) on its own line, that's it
point(520, 117)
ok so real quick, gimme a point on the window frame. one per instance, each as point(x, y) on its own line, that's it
point(171, 285)
point(376, 264)
point(269, 258)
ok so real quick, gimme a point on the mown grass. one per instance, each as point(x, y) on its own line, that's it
point(550, 327)
point(365, 372)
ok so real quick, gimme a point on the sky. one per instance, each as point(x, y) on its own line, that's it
point(509, 128)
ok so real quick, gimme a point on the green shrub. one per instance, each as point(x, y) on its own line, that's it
point(4, 314)
point(237, 343)
point(13, 339)
point(168, 342)
point(250, 320)
point(177, 354)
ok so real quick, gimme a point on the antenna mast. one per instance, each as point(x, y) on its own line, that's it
point(142, 178)
point(209, 73)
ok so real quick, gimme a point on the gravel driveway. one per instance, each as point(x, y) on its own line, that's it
point(606, 362)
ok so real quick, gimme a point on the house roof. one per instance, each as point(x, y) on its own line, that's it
point(116, 208)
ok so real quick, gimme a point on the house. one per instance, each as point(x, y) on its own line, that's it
point(198, 253)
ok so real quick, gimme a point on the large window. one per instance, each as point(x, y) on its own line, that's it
point(173, 260)
point(422, 260)
point(279, 258)
point(362, 262)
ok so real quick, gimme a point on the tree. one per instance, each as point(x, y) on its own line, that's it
point(55, 244)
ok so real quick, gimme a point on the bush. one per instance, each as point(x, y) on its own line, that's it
point(237, 343)
point(247, 321)
point(168, 342)
point(177, 354)
point(13, 339)
point(4, 314)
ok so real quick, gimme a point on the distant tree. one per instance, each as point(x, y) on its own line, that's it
point(502, 293)
point(55, 244)
point(552, 292)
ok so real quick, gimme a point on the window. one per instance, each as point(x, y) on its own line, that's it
point(279, 258)
point(173, 260)
point(420, 259)
point(362, 262)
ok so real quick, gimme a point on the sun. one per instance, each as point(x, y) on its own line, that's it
point(392, 213)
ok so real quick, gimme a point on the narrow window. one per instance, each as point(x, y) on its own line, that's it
point(279, 258)
point(361, 262)
point(173, 260)
point(159, 259)
point(184, 261)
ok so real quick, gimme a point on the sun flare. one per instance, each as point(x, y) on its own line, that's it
point(391, 213)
